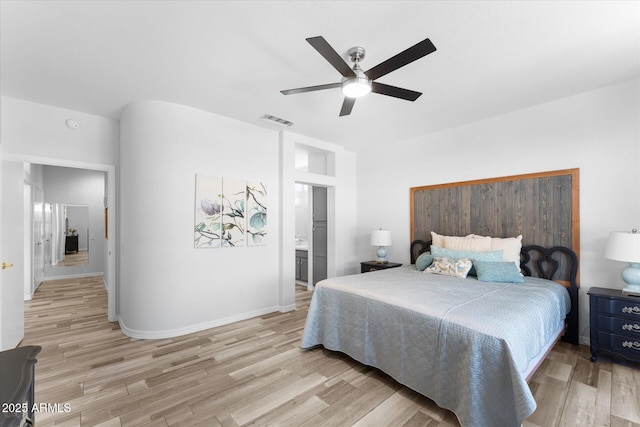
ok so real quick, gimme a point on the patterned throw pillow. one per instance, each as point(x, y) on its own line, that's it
point(450, 267)
point(491, 256)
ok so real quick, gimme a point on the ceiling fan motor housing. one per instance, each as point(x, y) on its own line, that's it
point(356, 54)
point(360, 85)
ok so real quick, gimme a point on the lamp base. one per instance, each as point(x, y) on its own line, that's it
point(631, 275)
point(382, 255)
point(632, 290)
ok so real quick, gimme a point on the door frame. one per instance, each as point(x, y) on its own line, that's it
point(111, 283)
point(288, 177)
point(36, 249)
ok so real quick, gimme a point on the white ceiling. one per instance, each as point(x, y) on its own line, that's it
point(233, 58)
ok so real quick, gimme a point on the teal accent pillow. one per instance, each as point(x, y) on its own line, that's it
point(424, 261)
point(499, 272)
point(490, 256)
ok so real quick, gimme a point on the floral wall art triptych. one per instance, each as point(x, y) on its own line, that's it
point(229, 212)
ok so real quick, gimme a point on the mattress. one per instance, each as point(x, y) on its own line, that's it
point(467, 345)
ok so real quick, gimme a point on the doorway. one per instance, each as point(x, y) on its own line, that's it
point(14, 170)
point(311, 234)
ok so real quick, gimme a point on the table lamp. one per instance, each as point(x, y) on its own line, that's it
point(381, 238)
point(625, 246)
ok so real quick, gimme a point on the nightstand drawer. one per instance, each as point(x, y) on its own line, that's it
point(627, 309)
point(624, 346)
point(619, 325)
point(614, 319)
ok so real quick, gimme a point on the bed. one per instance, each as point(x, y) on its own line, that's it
point(468, 345)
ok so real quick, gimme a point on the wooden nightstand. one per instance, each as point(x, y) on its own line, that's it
point(615, 323)
point(375, 265)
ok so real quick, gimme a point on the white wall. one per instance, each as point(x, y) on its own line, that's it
point(597, 131)
point(167, 287)
point(37, 130)
point(303, 212)
point(82, 187)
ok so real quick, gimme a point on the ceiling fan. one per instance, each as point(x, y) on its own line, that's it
point(356, 82)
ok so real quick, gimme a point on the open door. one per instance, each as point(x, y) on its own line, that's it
point(319, 231)
point(11, 255)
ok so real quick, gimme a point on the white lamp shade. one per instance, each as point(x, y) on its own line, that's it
point(623, 246)
point(380, 238)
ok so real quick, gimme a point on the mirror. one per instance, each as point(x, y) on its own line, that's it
point(68, 226)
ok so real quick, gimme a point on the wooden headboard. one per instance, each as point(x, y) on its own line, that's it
point(544, 207)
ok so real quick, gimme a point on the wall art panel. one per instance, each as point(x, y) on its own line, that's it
point(208, 212)
point(256, 213)
point(233, 212)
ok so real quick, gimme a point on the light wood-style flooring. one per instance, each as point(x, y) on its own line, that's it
point(74, 259)
point(254, 373)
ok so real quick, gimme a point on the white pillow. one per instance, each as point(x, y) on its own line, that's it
point(468, 243)
point(437, 239)
point(511, 247)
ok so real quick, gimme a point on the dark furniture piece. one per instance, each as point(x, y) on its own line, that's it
point(302, 265)
point(71, 244)
point(16, 388)
point(557, 263)
point(375, 265)
point(615, 323)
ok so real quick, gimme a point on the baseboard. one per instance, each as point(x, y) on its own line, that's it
point(170, 333)
point(72, 276)
point(287, 308)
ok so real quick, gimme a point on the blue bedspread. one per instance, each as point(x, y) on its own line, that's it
point(467, 345)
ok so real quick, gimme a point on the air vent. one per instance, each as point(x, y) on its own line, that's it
point(277, 120)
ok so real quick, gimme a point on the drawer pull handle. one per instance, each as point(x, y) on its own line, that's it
point(635, 345)
point(631, 310)
point(633, 327)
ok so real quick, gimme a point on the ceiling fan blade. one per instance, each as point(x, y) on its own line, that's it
point(396, 92)
point(310, 88)
point(325, 49)
point(347, 106)
point(405, 57)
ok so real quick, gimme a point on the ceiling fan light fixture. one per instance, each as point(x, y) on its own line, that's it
point(356, 87)
point(355, 82)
